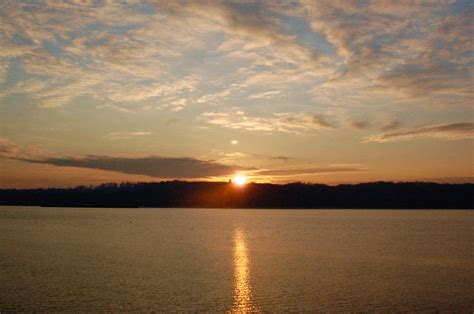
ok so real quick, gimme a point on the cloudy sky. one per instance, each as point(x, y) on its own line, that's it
point(319, 91)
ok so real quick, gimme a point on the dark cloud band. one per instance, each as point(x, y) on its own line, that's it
point(154, 166)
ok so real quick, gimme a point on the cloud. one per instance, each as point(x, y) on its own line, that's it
point(281, 122)
point(8, 148)
point(290, 172)
point(110, 52)
point(116, 53)
point(391, 124)
point(447, 131)
point(443, 67)
point(360, 124)
point(404, 50)
point(153, 166)
point(115, 108)
point(126, 56)
point(218, 96)
point(254, 20)
point(266, 95)
point(320, 120)
point(281, 158)
point(125, 135)
point(3, 73)
point(361, 31)
point(423, 78)
point(12, 150)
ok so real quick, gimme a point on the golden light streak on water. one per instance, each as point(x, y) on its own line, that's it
point(242, 286)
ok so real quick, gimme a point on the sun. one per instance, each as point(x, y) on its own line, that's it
point(240, 180)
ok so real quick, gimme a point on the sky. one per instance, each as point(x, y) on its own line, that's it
point(278, 91)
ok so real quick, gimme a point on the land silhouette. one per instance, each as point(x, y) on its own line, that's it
point(380, 195)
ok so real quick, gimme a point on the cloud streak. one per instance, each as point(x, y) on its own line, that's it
point(451, 131)
point(125, 135)
point(292, 172)
point(153, 166)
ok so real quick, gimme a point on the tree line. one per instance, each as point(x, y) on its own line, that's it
point(253, 195)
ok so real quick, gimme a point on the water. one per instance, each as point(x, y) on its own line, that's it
point(63, 259)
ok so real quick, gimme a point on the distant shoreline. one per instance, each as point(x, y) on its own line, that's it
point(183, 194)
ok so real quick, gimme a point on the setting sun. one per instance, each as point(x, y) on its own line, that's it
point(240, 180)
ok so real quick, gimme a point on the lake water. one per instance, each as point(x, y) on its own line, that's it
point(85, 259)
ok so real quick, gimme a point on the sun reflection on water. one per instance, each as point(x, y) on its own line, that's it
point(242, 287)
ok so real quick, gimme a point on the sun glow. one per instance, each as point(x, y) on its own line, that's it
point(240, 180)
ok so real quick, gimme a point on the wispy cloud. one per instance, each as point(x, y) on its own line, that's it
point(443, 67)
point(114, 51)
point(281, 158)
point(414, 52)
point(391, 124)
point(360, 124)
point(255, 20)
point(115, 108)
point(8, 148)
point(13, 150)
point(305, 171)
point(108, 52)
point(3, 73)
point(266, 95)
point(125, 135)
point(281, 122)
point(447, 131)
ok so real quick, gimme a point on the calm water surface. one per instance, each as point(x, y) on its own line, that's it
point(63, 259)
